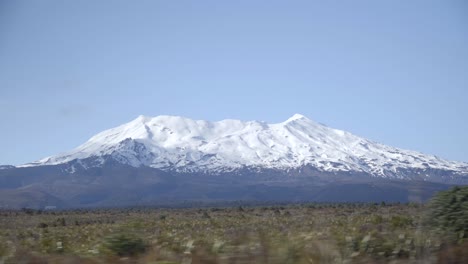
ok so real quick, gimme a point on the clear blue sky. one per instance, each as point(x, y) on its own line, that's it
point(392, 71)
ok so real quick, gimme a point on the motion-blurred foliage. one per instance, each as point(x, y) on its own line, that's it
point(125, 244)
point(448, 211)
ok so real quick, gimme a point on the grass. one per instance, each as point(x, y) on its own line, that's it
point(299, 233)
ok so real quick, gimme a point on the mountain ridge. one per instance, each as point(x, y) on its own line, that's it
point(186, 145)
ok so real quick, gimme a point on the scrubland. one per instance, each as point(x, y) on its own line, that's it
point(296, 233)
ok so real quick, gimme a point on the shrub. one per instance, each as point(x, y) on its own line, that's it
point(124, 244)
point(401, 221)
point(42, 225)
point(60, 221)
point(448, 211)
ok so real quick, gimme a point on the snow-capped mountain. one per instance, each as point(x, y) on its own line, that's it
point(170, 159)
point(174, 143)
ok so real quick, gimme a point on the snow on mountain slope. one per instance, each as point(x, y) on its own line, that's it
point(172, 142)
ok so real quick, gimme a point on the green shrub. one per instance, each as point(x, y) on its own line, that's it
point(124, 244)
point(448, 211)
point(377, 219)
point(401, 221)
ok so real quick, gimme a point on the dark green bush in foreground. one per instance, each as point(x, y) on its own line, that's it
point(448, 211)
point(124, 244)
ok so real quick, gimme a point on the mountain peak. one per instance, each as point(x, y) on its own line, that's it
point(141, 119)
point(296, 117)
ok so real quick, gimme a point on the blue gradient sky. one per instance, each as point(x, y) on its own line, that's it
point(392, 71)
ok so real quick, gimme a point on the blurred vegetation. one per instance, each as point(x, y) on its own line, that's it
point(296, 233)
point(125, 244)
point(448, 212)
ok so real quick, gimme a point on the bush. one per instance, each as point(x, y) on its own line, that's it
point(125, 244)
point(401, 221)
point(42, 225)
point(448, 211)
